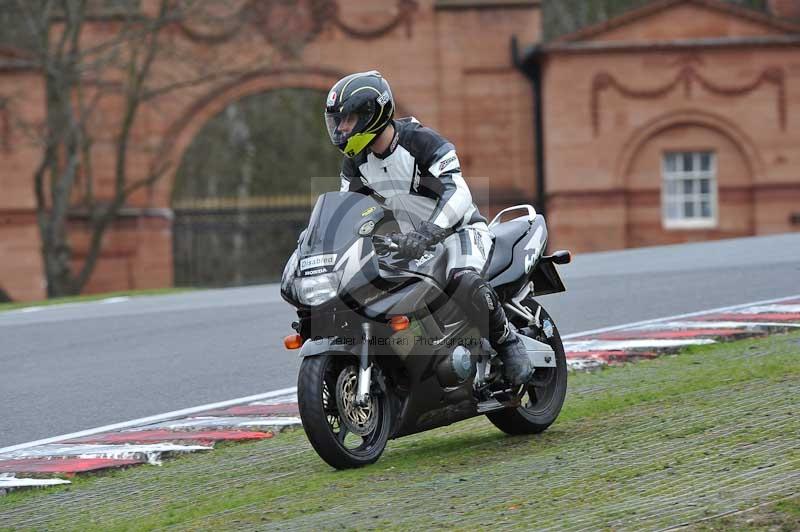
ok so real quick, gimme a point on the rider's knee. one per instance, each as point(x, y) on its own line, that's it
point(468, 288)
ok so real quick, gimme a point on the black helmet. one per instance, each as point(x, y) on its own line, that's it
point(363, 105)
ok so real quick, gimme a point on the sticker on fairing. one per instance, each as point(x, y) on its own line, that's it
point(315, 272)
point(317, 261)
point(536, 243)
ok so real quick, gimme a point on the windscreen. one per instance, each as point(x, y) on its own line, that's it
point(335, 222)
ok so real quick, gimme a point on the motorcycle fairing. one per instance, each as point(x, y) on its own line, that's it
point(517, 259)
point(432, 264)
point(333, 243)
point(427, 404)
point(335, 221)
point(329, 344)
point(411, 296)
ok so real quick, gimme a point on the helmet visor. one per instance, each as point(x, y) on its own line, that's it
point(342, 126)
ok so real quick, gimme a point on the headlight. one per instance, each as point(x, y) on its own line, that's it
point(317, 289)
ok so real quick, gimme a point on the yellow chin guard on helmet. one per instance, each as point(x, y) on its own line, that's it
point(357, 143)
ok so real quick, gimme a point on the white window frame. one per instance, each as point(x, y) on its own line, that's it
point(680, 197)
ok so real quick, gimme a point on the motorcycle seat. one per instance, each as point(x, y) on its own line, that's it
point(506, 235)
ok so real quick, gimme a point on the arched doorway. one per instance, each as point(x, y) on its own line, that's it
point(246, 185)
point(688, 182)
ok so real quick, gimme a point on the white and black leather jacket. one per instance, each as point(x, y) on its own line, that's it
point(418, 178)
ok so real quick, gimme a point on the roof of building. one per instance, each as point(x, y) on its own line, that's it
point(658, 6)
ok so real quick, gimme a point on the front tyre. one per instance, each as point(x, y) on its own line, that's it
point(343, 433)
point(543, 397)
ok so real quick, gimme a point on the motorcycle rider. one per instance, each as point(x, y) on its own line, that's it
point(414, 172)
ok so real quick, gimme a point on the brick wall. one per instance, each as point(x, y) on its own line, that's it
point(611, 112)
point(448, 62)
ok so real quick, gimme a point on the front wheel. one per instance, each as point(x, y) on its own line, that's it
point(344, 434)
point(543, 397)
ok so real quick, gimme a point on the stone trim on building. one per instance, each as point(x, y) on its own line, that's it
point(485, 4)
point(694, 117)
point(657, 6)
point(687, 77)
point(677, 45)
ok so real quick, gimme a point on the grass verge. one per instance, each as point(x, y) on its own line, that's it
point(695, 439)
point(90, 297)
point(780, 516)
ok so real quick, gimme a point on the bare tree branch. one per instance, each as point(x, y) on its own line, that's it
point(138, 73)
point(82, 72)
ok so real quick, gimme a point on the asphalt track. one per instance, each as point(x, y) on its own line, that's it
point(73, 367)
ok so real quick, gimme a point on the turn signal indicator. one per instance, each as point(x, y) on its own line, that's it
point(399, 323)
point(293, 341)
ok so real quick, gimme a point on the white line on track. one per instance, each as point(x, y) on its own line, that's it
point(286, 391)
point(151, 419)
point(678, 317)
point(57, 306)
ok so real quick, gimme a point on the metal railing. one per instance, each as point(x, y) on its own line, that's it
point(230, 242)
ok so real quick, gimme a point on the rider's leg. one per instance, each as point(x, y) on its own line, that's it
point(467, 251)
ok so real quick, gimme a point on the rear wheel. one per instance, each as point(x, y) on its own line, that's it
point(543, 397)
point(344, 434)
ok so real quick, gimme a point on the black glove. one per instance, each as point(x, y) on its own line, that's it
point(413, 244)
point(382, 245)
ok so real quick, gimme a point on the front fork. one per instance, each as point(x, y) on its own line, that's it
point(364, 368)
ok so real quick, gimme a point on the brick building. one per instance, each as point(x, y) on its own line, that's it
point(673, 122)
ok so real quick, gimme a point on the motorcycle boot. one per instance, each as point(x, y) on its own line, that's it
point(517, 366)
point(479, 300)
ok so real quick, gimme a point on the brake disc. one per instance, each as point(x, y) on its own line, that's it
point(359, 419)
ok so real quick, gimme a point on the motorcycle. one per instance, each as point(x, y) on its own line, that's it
point(385, 353)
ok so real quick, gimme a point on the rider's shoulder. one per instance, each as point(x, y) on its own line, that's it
point(419, 140)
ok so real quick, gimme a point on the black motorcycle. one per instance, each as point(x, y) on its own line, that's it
point(386, 353)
